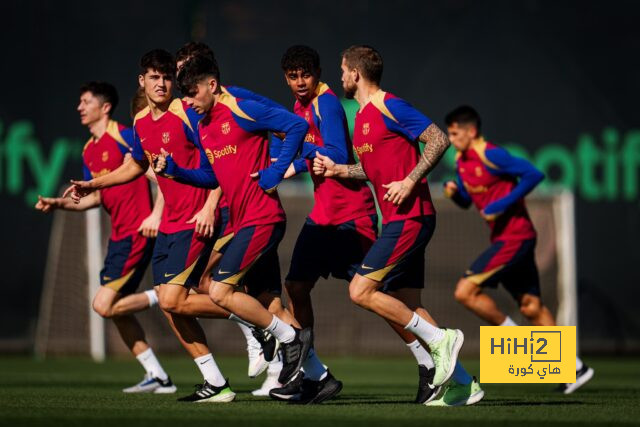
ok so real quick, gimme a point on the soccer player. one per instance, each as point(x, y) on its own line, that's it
point(132, 222)
point(234, 137)
point(386, 134)
point(340, 229)
point(496, 183)
point(184, 242)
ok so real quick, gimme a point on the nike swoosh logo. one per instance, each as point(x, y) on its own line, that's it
point(204, 136)
point(169, 274)
point(417, 321)
point(106, 278)
point(142, 140)
point(366, 267)
point(223, 272)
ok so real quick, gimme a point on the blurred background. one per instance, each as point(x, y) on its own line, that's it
point(556, 82)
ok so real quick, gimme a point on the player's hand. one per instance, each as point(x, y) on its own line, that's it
point(79, 189)
point(450, 189)
point(291, 171)
point(398, 191)
point(268, 179)
point(160, 162)
point(150, 226)
point(205, 221)
point(46, 204)
point(324, 166)
point(490, 217)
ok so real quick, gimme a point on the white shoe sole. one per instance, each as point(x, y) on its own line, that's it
point(140, 390)
point(224, 398)
point(579, 382)
point(255, 371)
point(472, 400)
point(457, 345)
point(165, 390)
point(433, 396)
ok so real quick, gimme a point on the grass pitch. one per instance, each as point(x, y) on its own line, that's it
point(377, 392)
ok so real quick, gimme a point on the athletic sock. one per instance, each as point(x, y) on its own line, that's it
point(151, 364)
point(313, 367)
point(421, 354)
point(247, 331)
point(275, 366)
point(152, 296)
point(210, 371)
point(283, 332)
point(460, 375)
point(425, 330)
point(508, 321)
point(579, 364)
point(239, 321)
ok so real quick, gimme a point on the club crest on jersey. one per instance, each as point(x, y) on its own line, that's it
point(166, 136)
point(105, 156)
point(209, 155)
point(225, 128)
point(366, 128)
point(310, 138)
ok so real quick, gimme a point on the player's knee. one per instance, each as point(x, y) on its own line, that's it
point(102, 309)
point(359, 293)
point(168, 303)
point(219, 293)
point(531, 308)
point(463, 293)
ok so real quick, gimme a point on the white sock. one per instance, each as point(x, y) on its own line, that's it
point(579, 364)
point(425, 330)
point(508, 322)
point(248, 334)
point(283, 332)
point(313, 367)
point(275, 366)
point(209, 369)
point(421, 354)
point(460, 375)
point(153, 297)
point(239, 321)
point(150, 363)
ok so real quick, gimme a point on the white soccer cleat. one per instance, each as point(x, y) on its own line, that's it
point(257, 362)
point(151, 384)
point(269, 383)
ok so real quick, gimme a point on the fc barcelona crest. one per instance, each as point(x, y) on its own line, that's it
point(365, 128)
point(225, 128)
point(165, 137)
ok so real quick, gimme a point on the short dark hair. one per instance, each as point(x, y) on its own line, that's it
point(106, 92)
point(301, 57)
point(194, 71)
point(138, 102)
point(159, 60)
point(464, 115)
point(366, 60)
point(192, 49)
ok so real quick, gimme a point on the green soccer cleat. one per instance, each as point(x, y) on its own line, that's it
point(445, 355)
point(459, 395)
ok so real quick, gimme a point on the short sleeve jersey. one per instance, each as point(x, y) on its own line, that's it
point(385, 137)
point(176, 132)
point(128, 204)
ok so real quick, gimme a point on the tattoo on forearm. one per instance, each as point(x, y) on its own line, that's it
point(436, 144)
point(356, 171)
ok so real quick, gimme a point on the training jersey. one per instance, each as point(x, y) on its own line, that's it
point(385, 137)
point(176, 132)
point(487, 175)
point(336, 200)
point(128, 204)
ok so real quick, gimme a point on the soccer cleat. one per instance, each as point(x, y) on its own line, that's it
point(294, 354)
point(459, 394)
point(209, 393)
point(445, 353)
point(257, 362)
point(582, 377)
point(151, 384)
point(314, 392)
point(270, 383)
point(290, 391)
point(426, 391)
point(268, 342)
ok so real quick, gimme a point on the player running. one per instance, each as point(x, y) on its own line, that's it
point(133, 223)
point(496, 183)
point(234, 137)
point(386, 133)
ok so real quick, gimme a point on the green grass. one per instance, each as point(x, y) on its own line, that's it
point(377, 392)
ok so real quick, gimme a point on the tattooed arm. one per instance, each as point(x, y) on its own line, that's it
point(323, 165)
point(436, 144)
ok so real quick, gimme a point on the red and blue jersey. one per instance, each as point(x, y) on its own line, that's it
point(176, 132)
point(385, 137)
point(496, 183)
point(234, 137)
point(128, 204)
point(336, 200)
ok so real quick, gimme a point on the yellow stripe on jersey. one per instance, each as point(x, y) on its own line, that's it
point(480, 146)
point(87, 145)
point(176, 108)
point(142, 113)
point(320, 89)
point(227, 99)
point(377, 99)
point(114, 131)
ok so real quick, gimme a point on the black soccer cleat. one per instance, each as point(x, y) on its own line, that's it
point(294, 354)
point(426, 391)
point(210, 393)
point(290, 391)
point(268, 342)
point(314, 392)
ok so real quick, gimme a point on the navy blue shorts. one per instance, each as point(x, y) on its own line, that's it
point(125, 263)
point(180, 258)
point(223, 232)
point(332, 249)
point(510, 262)
point(397, 257)
point(251, 259)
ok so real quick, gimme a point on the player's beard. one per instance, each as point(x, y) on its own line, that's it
point(349, 91)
